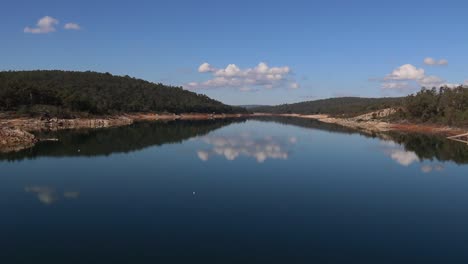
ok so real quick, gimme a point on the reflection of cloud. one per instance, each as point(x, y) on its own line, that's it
point(404, 158)
point(260, 148)
point(430, 168)
point(203, 155)
point(293, 140)
point(48, 195)
point(398, 154)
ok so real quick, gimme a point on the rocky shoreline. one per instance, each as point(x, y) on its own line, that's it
point(17, 133)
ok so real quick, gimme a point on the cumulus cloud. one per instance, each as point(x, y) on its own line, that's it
point(431, 81)
point(72, 26)
point(44, 25)
point(432, 62)
point(205, 67)
point(409, 77)
point(406, 72)
point(261, 76)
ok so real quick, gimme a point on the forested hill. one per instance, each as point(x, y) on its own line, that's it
point(347, 106)
point(63, 92)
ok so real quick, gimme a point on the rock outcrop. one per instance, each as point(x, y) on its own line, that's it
point(12, 139)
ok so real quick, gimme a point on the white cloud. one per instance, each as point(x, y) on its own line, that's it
point(44, 25)
point(72, 26)
point(294, 85)
point(407, 76)
point(406, 72)
point(205, 67)
point(394, 85)
point(245, 79)
point(433, 62)
point(431, 81)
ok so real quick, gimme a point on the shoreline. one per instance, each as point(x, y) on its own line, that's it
point(375, 126)
point(16, 133)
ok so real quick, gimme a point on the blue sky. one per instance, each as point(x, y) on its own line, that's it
point(308, 49)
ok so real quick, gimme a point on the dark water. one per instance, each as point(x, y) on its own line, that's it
point(235, 191)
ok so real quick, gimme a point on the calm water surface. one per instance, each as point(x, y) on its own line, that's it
point(256, 191)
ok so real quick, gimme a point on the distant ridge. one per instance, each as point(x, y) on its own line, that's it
point(333, 106)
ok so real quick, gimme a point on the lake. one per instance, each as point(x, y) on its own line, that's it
point(269, 190)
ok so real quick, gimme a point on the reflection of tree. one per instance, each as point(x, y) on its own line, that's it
point(432, 147)
point(307, 123)
point(120, 139)
point(425, 146)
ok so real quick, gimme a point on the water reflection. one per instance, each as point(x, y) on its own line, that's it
point(399, 154)
point(249, 145)
point(87, 143)
point(414, 147)
point(48, 195)
point(405, 158)
point(97, 142)
point(432, 167)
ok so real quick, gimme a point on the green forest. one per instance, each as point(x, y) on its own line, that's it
point(447, 106)
point(65, 93)
point(342, 106)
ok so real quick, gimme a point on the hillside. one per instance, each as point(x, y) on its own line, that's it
point(343, 106)
point(443, 106)
point(62, 93)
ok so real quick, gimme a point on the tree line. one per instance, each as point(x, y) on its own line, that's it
point(342, 106)
point(65, 92)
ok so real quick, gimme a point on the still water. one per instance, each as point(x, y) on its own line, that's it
point(235, 191)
